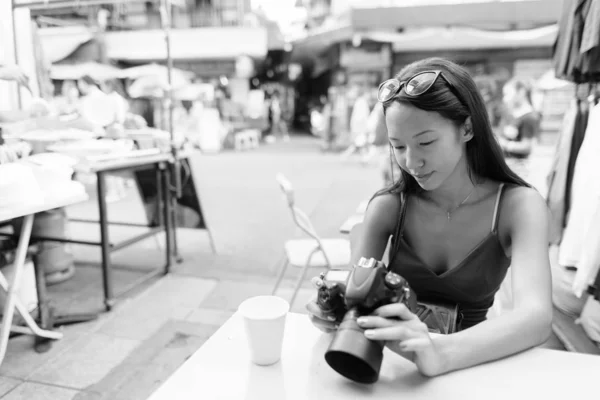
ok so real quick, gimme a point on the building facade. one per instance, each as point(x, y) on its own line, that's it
point(370, 40)
point(131, 32)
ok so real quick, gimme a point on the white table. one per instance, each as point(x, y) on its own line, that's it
point(12, 301)
point(221, 369)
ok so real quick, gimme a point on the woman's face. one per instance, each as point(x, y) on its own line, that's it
point(426, 145)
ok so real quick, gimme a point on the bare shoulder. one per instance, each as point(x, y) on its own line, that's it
point(383, 210)
point(388, 203)
point(522, 197)
point(523, 206)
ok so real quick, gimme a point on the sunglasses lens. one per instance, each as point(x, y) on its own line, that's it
point(388, 89)
point(420, 84)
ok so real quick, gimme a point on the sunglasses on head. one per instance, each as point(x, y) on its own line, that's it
point(413, 87)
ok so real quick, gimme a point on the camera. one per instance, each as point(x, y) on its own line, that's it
point(349, 294)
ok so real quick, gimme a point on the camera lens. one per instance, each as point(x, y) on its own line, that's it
point(351, 354)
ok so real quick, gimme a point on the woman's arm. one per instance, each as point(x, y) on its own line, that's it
point(370, 238)
point(529, 323)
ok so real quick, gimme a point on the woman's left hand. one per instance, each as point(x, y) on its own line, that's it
point(405, 334)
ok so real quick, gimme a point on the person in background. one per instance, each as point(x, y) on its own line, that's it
point(458, 219)
point(67, 102)
point(94, 105)
point(359, 124)
point(112, 89)
point(279, 124)
point(521, 122)
point(488, 88)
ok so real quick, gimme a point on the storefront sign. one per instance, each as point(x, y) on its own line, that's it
point(365, 57)
point(208, 68)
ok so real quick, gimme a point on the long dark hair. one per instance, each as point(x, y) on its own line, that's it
point(484, 155)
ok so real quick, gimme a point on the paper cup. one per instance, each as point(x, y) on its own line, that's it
point(264, 322)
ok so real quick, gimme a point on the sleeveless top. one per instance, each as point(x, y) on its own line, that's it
point(471, 284)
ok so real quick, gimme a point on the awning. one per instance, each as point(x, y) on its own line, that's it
point(160, 71)
point(187, 44)
point(462, 38)
point(58, 43)
point(390, 14)
point(151, 80)
point(97, 71)
point(312, 46)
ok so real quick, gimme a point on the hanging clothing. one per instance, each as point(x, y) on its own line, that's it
point(576, 52)
point(579, 246)
point(581, 123)
point(557, 178)
point(590, 43)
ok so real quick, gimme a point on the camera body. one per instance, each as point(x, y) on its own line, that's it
point(366, 286)
point(350, 294)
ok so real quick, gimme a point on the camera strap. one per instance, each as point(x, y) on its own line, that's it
point(439, 317)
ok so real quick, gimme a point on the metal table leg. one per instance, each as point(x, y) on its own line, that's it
point(166, 191)
point(47, 317)
point(175, 193)
point(12, 302)
point(105, 244)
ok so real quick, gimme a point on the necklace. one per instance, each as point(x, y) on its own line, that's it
point(452, 210)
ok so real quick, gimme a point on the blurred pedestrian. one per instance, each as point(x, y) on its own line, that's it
point(278, 122)
point(359, 124)
point(520, 122)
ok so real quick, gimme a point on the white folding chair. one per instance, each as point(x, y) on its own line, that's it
point(311, 252)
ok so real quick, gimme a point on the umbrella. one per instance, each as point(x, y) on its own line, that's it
point(156, 70)
point(97, 71)
point(155, 86)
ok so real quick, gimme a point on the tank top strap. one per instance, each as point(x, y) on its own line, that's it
point(496, 217)
point(399, 224)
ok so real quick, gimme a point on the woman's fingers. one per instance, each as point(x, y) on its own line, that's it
point(372, 321)
point(324, 326)
point(395, 310)
point(396, 332)
point(313, 308)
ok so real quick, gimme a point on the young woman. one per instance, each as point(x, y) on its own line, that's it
point(458, 218)
point(520, 123)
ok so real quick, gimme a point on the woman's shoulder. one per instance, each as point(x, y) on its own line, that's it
point(514, 194)
point(386, 202)
point(523, 205)
point(383, 209)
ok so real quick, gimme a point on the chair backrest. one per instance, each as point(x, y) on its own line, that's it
point(286, 188)
point(301, 219)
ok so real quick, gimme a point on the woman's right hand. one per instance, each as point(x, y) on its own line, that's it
point(322, 321)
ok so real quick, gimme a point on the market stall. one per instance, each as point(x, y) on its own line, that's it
point(574, 181)
point(99, 149)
